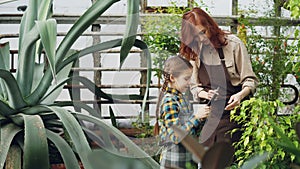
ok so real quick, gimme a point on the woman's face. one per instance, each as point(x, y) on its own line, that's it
point(203, 34)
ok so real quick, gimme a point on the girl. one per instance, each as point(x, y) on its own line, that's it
point(176, 110)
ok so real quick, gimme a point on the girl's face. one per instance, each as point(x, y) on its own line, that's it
point(182, 82)
point(203, 34)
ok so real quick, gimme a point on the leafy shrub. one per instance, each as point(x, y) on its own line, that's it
point(259, 136)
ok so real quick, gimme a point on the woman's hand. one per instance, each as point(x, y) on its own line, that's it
point(207, 95)
point(236, 99)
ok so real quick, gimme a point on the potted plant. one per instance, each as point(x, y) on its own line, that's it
point(30, 120)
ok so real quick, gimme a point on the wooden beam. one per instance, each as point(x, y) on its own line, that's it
point(121, 19)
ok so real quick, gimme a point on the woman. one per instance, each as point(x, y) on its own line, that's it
point(220, 60)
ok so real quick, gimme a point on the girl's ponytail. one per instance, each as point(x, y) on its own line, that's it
point(160, 96)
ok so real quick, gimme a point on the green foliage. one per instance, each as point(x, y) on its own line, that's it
point(162, 38)
point(286, 143)
point(294, 7)
point(190, 166)
point(256, 116)
point(271, 62)
point(145, 128)
point(296, 66)
point(272, 59)
point(30, 119)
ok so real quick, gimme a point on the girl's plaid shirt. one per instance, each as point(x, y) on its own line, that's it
point(175, 110)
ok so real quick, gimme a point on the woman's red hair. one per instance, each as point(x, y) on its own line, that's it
point(190, 45)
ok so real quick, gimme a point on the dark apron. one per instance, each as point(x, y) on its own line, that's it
point(218, 125)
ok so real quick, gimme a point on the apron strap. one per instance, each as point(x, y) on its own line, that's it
point(221, 54)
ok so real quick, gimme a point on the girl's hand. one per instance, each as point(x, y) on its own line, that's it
point(211, 93)
point(203, 112)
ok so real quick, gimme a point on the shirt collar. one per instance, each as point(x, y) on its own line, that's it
point(173, 91)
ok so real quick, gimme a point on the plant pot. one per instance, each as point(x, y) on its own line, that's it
point(62, 166)
point(131, 132)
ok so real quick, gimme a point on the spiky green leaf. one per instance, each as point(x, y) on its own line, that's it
point(26, 61)
point(48, 31)
point(27, 48)
point(46, 80)
point(14, 158)
point(142, 45)
point(289, 147)
point(75, 132)
point(5, 110)
point(111, 44)
point(6, 1)
point(4, 56)
point(45, 9)
point(98, 47)
point(77, 29)
point(82, 105)
point(81, 25)
point(134, 150)
point(38, 109)
point(37, 74)
point(4, 64)
point(95, 137)
point(112, 117)
point(35, 143)
point(132, 22)
point(44, 12)
point(8, 132)
point(85, 81)
point(56, 88)
point(27, 21)
point(64, 149)
point(13, 91)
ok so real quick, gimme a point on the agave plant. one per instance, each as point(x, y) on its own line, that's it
point(30, 119)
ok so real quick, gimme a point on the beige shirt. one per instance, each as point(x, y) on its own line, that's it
point(238, 64)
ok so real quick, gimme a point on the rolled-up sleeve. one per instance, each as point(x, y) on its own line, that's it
point(244, 68)
point(195, 82)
